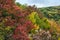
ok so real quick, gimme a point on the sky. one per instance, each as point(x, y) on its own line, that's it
point(40, 3)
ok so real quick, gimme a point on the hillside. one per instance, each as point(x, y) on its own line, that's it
point(21, 22)
point(51, 12)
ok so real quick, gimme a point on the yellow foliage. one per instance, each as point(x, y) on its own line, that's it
point(4, 20)
point(8, 28)
point(54, 25)
point(59, 38)
point(36, 27)
point(31, 17)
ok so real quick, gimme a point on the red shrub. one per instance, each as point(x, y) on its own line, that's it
point(15, 17)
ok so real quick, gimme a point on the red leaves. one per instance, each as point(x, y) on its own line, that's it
point(28, 26)
point(20, 37)
point(16, 17)
point(10, 2)
point(10, 22)
point(1, 5)
point(23, 30)
point(16, 7)
point(20, 33)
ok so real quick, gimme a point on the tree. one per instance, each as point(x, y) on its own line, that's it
point(14, 17)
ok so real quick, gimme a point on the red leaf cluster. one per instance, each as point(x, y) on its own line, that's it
point(15, 17)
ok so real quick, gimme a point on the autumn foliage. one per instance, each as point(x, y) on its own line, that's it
point(13, 16)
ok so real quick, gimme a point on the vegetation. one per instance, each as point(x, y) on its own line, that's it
point(22, 22)
point(51, 12)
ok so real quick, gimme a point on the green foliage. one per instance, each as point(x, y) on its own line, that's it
point(1, 37)
point(51, 12)
point(14, 22)
point(21, 6)
point(5, 31)
point(43, 23)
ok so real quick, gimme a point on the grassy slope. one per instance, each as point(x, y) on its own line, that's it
point(51, 12)
point(53, 16)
